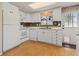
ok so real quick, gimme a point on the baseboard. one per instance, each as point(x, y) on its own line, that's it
point(0, 53)
point(68, 45)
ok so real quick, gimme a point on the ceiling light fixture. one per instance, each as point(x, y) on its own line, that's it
point(38, 5)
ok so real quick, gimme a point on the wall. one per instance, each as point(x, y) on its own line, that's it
point(71, 31)
point(71, 34)
point(0, 28)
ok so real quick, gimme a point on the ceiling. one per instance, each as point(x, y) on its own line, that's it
point(23, 6)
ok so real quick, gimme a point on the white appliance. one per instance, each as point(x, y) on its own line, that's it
point(10, 27)
point(46, 20)
point(10, 36)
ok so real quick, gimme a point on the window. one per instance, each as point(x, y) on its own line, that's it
point(71, 19)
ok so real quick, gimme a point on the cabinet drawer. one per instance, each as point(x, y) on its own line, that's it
point(59, 44)
point(54, 34)
point(59, 40)
point(54, 42)
point(54, 38)
point(59, 37)
point(59, 31)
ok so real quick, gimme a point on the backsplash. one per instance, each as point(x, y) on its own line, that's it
point(38, 24)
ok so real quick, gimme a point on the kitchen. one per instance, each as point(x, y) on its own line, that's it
point(54, 24)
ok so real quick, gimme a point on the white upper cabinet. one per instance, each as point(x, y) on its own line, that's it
point(57, 14)
point(27, 17)
point(35, 17)
point(24, 17)
point(10, 14)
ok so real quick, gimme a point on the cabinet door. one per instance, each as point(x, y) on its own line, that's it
point(28, 18)
point(41, 36)
point(57, 14)
point(44, 36)
point(28, 34)
point(10, 14)
point(59, 43)
point(53, 33)
point(22, 16)
point(33, 34)
point(38, 19)
point(25, 17)
point(35, 17)
point(59, 40)
point(24, 35)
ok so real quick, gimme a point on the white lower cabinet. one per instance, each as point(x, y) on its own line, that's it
point(57, 37)
point(53, 38)
point(35, 17)
point(24, 35)
point(53, 41)
point(59, 40)
point(33, 34)
point(47, 35)
point(59, 43)
point(44, 35)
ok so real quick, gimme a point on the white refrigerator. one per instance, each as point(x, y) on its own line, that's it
point(11, 27)
point(10, 36)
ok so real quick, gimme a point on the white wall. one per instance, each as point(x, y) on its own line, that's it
point(0, 28)
point(70, 31)
point(71, 34)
